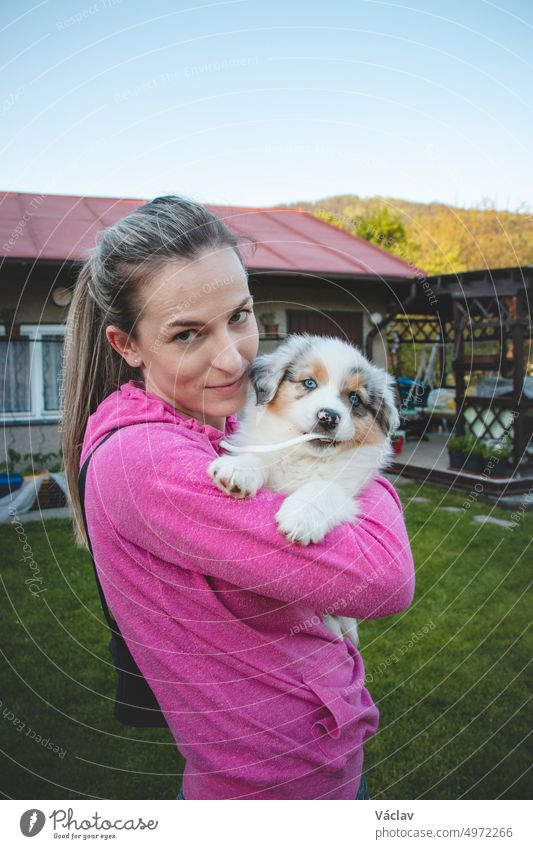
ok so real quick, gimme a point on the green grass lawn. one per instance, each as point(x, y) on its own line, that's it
point(449, 676)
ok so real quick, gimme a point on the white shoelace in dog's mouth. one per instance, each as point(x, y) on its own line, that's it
point(246, 449)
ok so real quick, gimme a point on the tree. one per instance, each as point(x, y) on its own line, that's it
point(383, 228)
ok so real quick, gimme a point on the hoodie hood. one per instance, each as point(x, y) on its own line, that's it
point(132, 404)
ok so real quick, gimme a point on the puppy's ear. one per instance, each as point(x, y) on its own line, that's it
point(268, 370)
point(392, 403)
point(384, 399)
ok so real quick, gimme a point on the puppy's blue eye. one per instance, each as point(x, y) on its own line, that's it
point(309, 383)
point(354, 399)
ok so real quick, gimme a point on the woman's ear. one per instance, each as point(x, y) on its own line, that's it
point(123, 345)
point(268, 370)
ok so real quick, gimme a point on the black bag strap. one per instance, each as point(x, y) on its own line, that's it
point(135, 702)
point(81, 488)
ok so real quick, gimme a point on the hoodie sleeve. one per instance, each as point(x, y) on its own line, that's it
point(155, 492)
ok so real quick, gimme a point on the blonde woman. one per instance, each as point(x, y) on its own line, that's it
point(220, 612)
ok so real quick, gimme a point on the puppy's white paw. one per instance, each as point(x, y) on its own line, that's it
point(235, 476)
point(301, 522)
point(304, 521)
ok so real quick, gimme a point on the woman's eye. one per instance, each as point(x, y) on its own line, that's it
point(309, 383)
point(180, 336)
point(354, 399)
point(244, 313)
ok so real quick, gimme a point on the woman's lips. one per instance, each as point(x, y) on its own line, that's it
point(229, 389)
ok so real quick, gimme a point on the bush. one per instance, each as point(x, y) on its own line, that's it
point(461, 444)
point(469, 445)
point(501, 450)
point(8, 466)
point(40, 462)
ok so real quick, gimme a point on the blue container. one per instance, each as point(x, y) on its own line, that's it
point(10, 483)
point(419, 391)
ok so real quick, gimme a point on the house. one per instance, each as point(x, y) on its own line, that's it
point(311, 275)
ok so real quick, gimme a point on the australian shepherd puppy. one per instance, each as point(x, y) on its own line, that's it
point(337, 410)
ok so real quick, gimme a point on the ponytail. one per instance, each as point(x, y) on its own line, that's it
point(92, 370)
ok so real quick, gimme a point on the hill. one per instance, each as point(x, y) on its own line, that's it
point(439, 238)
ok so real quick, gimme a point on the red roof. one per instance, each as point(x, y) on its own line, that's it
point(64, 227)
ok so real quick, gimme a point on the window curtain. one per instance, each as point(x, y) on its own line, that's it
point(15, 375)
point(52, 359)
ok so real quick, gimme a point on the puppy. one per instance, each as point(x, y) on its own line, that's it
point(312, 385)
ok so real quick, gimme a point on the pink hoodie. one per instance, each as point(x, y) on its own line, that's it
point(223, 616)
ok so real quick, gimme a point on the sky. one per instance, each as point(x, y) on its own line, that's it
point(262, 102)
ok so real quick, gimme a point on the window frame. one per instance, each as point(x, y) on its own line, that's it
point(36, 413)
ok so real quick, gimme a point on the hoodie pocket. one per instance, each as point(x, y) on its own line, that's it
point(344, 717)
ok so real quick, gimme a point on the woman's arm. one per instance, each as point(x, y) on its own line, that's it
point(162, 500)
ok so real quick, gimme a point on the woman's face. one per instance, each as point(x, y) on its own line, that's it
point(197, 334)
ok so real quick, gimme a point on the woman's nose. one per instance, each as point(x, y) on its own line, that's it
point(227, 359)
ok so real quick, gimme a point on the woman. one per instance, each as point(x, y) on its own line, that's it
point(221, 614)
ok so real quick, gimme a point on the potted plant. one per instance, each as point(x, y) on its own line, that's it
point(466, 453)
point(457, 446)
point(397, 441)
point(474, 461)
point(499, 453)
point(268, 320)
point(9, 479)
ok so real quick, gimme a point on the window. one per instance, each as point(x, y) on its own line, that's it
point(15, 369)
point(30, 370)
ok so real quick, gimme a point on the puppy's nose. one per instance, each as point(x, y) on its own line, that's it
point(328, 419)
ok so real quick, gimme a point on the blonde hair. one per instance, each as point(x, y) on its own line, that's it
point(109, 291)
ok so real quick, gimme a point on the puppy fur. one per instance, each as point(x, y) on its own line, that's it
point(322, 385)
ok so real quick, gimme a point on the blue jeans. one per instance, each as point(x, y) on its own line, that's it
point(362, 793)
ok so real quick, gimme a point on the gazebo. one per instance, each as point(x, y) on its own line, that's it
point(478, 324)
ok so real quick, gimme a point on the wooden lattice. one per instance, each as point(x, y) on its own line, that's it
point(487, 309)
point(485, 319)
point(488, 422)
point(419, 329)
